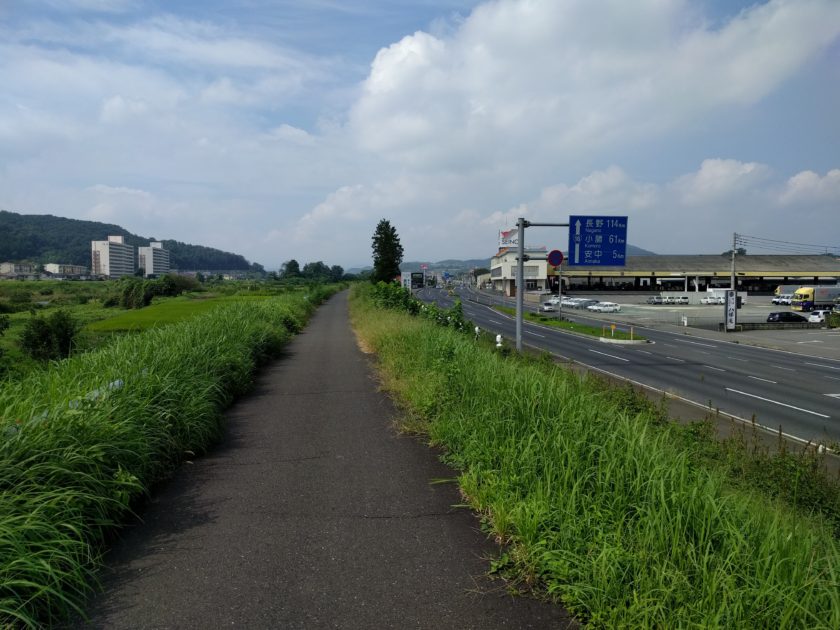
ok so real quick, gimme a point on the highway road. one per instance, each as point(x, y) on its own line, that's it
point(797, 392)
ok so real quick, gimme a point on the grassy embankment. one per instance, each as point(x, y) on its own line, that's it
point(583, 329)
point(597, 500)
point(86, 437)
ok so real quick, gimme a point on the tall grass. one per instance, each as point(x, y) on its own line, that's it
point(82, 440)
point(595, 501)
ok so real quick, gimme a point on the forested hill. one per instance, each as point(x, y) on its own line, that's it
point(44, 238)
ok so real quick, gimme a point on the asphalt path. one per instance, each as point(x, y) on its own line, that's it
point(313, 512)
point(797, 392)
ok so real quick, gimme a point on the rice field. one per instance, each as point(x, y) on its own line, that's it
point(87, 437)
point(593, 500)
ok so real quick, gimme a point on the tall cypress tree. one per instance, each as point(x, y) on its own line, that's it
point(387, 253)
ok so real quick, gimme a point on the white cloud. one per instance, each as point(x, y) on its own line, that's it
point(522, 80)
point(719, 179)
point(808, 186)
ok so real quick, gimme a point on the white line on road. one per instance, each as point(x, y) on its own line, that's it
point(779, 367)
point(610, 355)
point(528, 332)
point(766, 380)
point(811, 341)
point(496, 321)
point(833, 378)
point(670, 345)
point(712, 367)
point(697, 343)
point(776, 402)
point(675, 359)
point(737, 359)
point(827, 367)
point(644, 351)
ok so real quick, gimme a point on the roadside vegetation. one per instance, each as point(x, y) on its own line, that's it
point(564, 324)
point(598, 500)
point(85, 438)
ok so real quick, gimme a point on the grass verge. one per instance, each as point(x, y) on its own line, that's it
point(604, 331)
point(86, 437)
point(597, 501)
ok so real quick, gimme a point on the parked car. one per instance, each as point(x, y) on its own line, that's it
point(554, 300)
point(818, 317)
point(683, 299)
point(547, 307)
point(712, 299)
point(786, 317)
point(569, 301)
point(604, 307)
point(584, 303)
point(655, 300)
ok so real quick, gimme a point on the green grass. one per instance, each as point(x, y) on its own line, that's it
point(84, 438)
point(554, 322)
point(161, 313)
point(597, 501)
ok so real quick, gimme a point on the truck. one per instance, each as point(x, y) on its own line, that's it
point(819, 297)
point(786, 289)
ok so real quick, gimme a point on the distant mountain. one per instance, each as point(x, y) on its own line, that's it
point(44, 238)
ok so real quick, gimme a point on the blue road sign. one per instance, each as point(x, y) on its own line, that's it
point(597, 241)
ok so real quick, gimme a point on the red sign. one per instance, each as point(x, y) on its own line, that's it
point(555, 257)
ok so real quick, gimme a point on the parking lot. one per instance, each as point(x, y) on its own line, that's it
point(704, 320)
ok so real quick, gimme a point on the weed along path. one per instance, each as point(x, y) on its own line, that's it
point(312, 513)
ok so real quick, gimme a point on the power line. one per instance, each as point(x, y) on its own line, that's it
point(787, 247)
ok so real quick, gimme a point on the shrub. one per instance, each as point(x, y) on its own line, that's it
point(50, 337)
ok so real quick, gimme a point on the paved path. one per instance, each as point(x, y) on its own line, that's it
point(312, 513)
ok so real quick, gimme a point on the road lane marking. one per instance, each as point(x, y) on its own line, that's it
point(496, 321)
point(697, 343)
point(833, 378)
point(644, 351)
point(834, 395)
point(779, 367)
point(610, 355)
point(776, 402)
point(766, 380)
point(811, 341)
point(528, 332)
point(712, 367)
point(737, 359)
point(675, 359)
point(670, 345)
point(827, 367)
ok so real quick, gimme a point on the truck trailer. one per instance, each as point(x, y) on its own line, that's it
point(818, 297)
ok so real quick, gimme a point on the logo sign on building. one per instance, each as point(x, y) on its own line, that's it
point(417, 278)
point(731, 309)
point(509, 238)
point(597, 241)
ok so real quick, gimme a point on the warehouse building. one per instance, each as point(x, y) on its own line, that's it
point(690, 273)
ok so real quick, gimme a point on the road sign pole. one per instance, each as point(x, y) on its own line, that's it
point(520, 274)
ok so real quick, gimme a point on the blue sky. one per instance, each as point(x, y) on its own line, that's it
point(287, 129)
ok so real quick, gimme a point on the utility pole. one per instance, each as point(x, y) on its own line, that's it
point(732, 276)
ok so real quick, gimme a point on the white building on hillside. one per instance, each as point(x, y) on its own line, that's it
point(71, 271)
point(153, 260)
point(113, 258)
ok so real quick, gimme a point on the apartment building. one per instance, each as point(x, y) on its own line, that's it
point(113, 258)
point(153, 260)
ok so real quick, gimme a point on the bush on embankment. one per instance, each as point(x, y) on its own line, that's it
point(595, 501)
point(84, 438)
